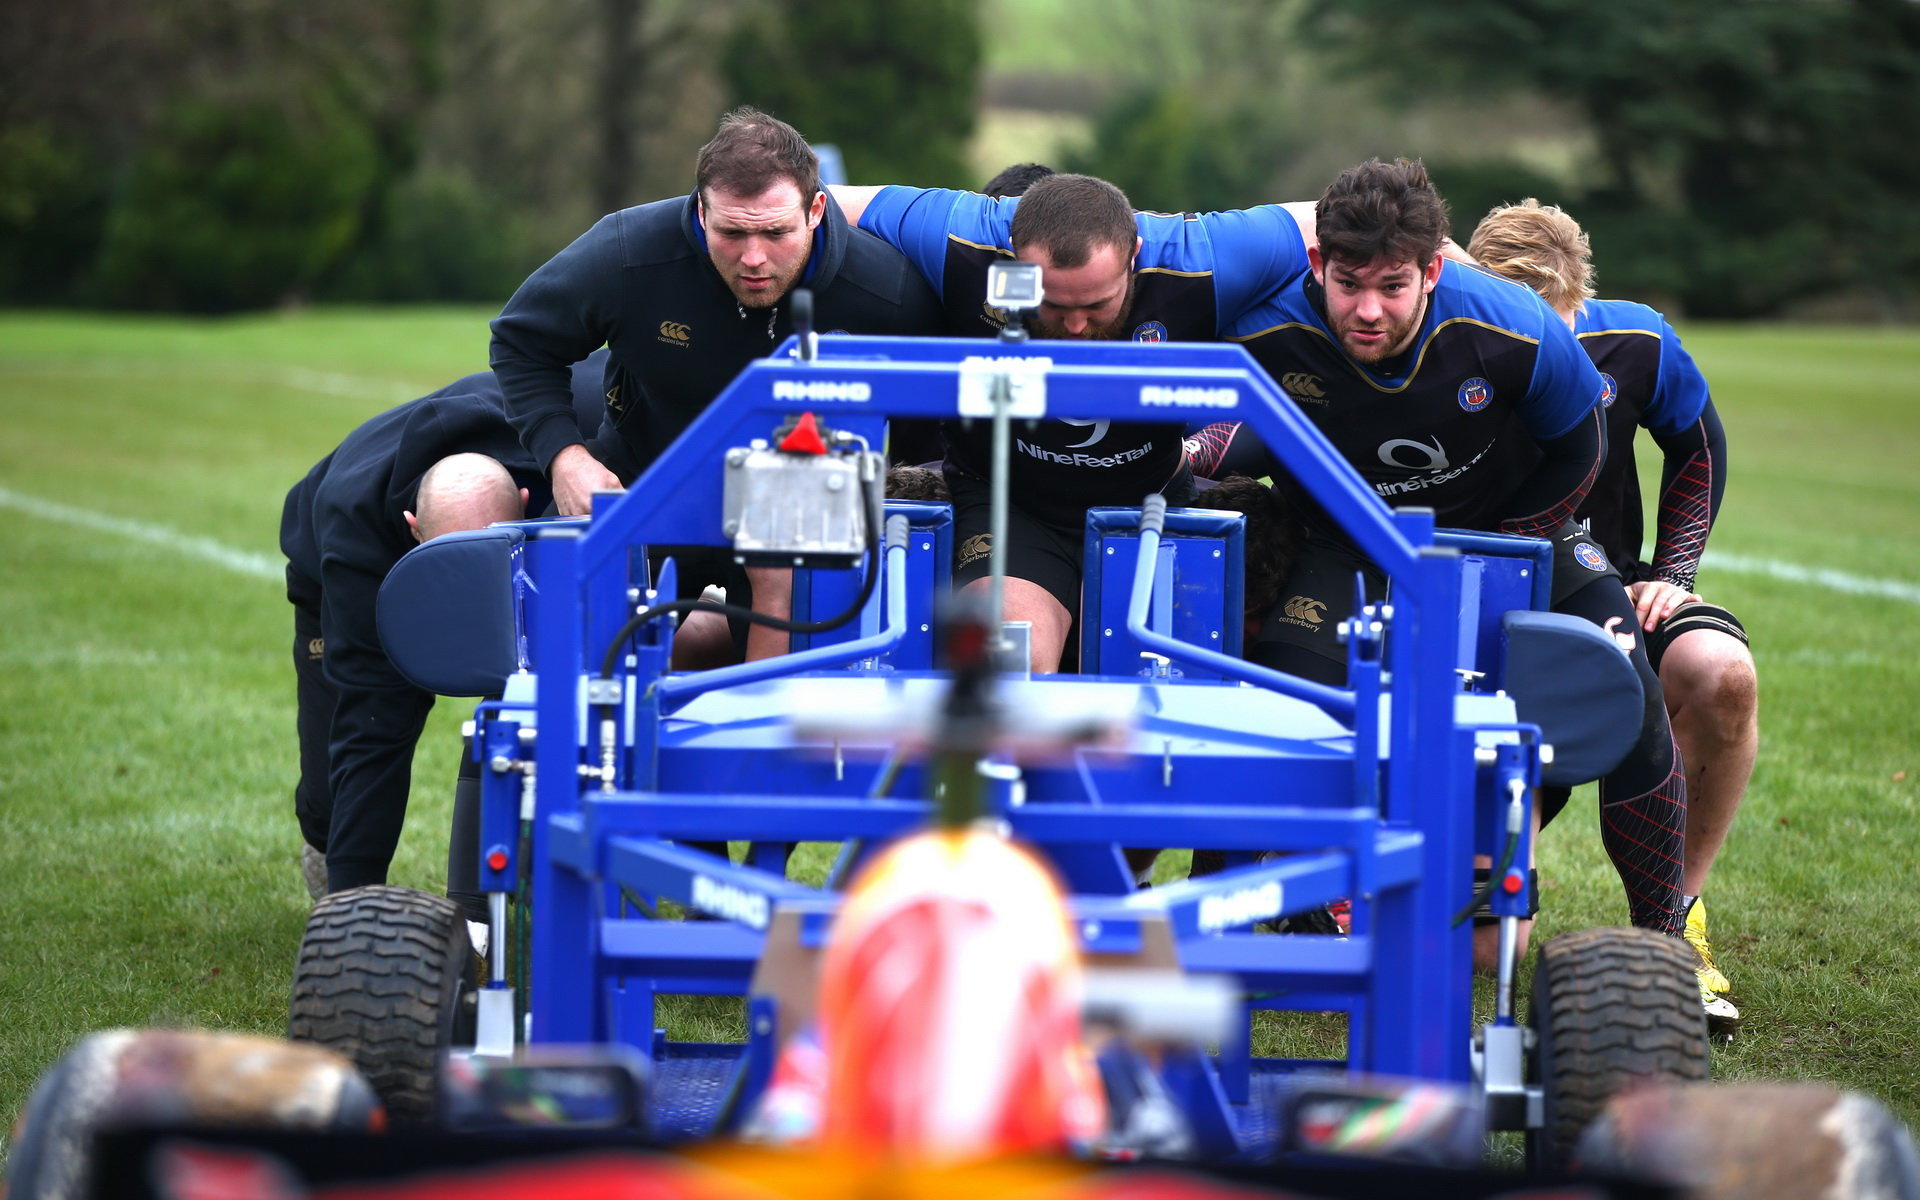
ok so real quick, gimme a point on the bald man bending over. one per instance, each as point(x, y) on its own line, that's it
point(444, 463)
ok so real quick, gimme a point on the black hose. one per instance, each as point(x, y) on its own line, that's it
point(876, 504)
point(1494, 876)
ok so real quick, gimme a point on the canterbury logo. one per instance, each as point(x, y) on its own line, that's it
point(1302, 608)
point(674, 331)
point(316, 647)
point(975, 548)
point(1302, 386)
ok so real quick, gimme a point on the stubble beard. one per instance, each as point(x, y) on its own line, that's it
point(1396, 341)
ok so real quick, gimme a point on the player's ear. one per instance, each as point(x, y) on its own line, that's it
point(1317, 263)
point(1431, 276)
point(817, 209)
point(524, 496)
point(413, 525)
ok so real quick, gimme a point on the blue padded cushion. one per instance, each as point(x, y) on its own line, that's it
point(446, 612)
point(1569, 677)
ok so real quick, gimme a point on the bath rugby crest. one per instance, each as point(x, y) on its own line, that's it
point(1454, 421)
point(1475, 394)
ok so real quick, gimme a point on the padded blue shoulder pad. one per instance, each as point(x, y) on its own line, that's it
point(1569, 677)
point(447, 612)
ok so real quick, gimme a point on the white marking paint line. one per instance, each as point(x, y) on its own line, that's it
point(261, 566)
point(352, 386)
point(242, 562)
point(326, 383)
point(1836, 581)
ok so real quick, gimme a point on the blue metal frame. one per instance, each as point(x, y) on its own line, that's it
point(1374, 787)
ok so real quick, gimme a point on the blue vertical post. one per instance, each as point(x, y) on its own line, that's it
point(1422, 1011)
point(562, 1005)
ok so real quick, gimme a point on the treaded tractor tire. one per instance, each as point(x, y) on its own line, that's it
point(382, 977)
point(1611, 1007)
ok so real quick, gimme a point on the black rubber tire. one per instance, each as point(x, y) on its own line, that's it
point(1611, 1007)
point(385, 976)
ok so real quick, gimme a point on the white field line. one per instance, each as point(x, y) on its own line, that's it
point(262, 566)
point(1833, 581)
point(355, 387)
point(241, 562)
point(325, 383)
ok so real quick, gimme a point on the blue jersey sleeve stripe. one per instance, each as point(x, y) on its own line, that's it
point(1587, 333)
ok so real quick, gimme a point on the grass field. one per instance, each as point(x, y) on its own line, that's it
point(147, 845)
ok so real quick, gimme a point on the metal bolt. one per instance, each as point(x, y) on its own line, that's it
point(736, 457)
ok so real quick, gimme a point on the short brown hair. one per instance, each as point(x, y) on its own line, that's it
point(752, 152)
point(1069, 216)
point(1381, 211)
point(916, 483)
point(1541, 246)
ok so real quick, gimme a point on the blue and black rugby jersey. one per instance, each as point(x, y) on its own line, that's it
point(1194, 272)
point(1652, 383)
point(1473, 420)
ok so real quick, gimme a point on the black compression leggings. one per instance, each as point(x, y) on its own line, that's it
point(1643, 801)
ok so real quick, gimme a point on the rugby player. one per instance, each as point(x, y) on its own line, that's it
point(1699, 649)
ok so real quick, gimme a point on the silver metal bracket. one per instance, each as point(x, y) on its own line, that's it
point(1501, 1055)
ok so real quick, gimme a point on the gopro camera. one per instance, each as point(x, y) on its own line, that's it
point(1013, 285)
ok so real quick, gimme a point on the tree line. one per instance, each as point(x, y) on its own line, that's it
point(1737, 157)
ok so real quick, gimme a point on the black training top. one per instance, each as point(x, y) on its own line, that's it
point(342, 529)
point(1652, 384)
point(641, 283)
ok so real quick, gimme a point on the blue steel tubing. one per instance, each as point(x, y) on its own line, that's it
point(1336, 702)
point(1414, 1023)
point(563, 1007)
point(678, 690)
